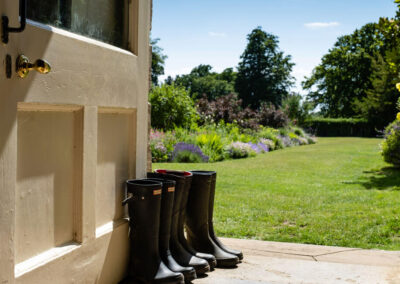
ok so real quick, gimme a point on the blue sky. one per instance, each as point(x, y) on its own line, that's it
point(194, 32)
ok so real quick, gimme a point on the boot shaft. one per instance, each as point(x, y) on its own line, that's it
point(212, 196)
point(183, 182)
point(199, 198)
point(144, 205)
point(167, 202)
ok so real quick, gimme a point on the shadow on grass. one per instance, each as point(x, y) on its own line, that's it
point(380, 179)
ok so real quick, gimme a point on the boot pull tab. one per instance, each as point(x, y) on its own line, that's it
point(130, 196)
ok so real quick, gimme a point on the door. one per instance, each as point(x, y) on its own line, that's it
point(69, 138)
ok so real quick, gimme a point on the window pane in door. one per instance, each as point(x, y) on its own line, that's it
point(104, 20)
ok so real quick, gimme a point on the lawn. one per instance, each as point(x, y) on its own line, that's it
point(338, 192)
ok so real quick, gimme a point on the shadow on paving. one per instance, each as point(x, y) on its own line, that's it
point(380, 179)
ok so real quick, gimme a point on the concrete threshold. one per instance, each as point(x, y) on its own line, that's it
point(274, 262)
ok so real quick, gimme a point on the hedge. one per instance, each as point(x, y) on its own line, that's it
point(333, 127)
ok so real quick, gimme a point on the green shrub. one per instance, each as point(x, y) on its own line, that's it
point(332, 127)
point(268, 133)
point(391, 145)
point(171, 107)
point(298, 131)
point(212, 146)
point(271, 134)
point(238, 150)
point(293, 136)
point(269, 143)
point(184, 135)
point(279, 144)
point(284, 131)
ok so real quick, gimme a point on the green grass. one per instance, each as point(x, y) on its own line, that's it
point(338, 192)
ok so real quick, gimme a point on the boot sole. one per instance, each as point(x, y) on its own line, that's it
point(227, 263)
point(202, 270)
point(171, 281)
point(213, 264)
point(189, 276)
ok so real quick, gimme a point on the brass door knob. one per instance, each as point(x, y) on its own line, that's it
point(24, 66)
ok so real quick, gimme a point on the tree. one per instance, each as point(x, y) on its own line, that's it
point(157, 61)
point(171, 107)
point(202, 70)
point(344, 73)
point(379, 104)
point(228, 75)
point(264, 71)
point(201, 81)
point(296, 108)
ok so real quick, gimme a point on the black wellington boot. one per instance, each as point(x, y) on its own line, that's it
point(212, 261)
point(144, 200)
point(179, 253)
point(239, 254)
point(197, 228)
point(167, 202)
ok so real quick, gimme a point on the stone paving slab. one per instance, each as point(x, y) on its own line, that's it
point(272, 262)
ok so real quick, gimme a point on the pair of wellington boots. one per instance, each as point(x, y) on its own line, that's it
point(199, 220)
point(149, 233)
point(195, 193)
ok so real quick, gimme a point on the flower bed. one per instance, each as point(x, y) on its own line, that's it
point(217, 142)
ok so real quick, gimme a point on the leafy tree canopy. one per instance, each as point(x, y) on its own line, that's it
point(379, 105)
point(264, 71)
point(202, 81)
point(344, 73)
point(157, 61)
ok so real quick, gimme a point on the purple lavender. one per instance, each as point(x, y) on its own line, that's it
point(184, 147)
point(254, 147)
point(264, 148)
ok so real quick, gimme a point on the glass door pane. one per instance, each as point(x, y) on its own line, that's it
point(104, 20)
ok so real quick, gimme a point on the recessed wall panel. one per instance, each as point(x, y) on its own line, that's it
point(48, 178)
point(115, 162)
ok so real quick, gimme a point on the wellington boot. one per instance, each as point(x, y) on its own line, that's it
point(167, 202)
point(144, 204)
point(179, 253)
point(197, 228)
point(212, 261)
point(239, 254)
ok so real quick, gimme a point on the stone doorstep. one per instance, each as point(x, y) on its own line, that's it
point(274, 262)
point(317, 253)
